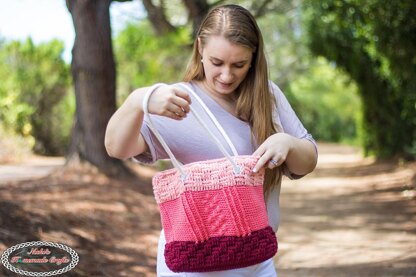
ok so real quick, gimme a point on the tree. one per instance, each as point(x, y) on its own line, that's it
point(157, 16)
point(374, 41)
point(198, 9)
point(94, 77)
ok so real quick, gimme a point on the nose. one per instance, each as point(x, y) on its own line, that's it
point(227, 75)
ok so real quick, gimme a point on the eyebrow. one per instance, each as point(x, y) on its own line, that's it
point(219, 60)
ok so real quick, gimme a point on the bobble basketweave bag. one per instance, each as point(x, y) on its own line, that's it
point(213, 212)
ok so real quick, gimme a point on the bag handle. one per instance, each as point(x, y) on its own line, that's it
point(175, 162)
point(213, 118)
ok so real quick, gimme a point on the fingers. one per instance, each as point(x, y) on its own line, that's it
point(176, 109)
point(180, 102)
point(173, 115)
point(268, 158)
point(260, 151)
point(183, 96)
point(269, 161)
point(261, 162)
point(275, 162)
point(170, 102)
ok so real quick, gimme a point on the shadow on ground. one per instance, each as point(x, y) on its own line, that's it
point(351, 217)
point(112, 225)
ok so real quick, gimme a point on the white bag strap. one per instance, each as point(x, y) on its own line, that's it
point(213, 118)
point(175, 162)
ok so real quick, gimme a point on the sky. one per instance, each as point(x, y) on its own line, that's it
point(44, 20)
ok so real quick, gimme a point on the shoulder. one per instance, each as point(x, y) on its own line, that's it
point(276, 91)
point(283, 112)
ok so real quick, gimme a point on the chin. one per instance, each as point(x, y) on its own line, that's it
point(225, 89)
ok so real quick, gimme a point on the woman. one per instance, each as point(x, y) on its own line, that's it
point(228, 71)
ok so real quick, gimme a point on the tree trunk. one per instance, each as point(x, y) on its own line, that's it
point(198, 9)
point(93, 72)
point(157, 18)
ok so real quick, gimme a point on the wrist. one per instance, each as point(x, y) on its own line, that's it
point(291, 141)
point(135, 100)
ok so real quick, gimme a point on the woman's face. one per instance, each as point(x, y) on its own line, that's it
point(225, 65)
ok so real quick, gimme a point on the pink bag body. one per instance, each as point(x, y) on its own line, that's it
point(213, 212)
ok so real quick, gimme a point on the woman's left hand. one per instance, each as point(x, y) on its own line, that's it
point(273, 151)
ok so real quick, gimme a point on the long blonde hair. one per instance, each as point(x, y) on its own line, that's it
point(255, 101)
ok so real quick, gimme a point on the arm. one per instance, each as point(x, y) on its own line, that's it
point(122, 138)
point(299, 154)
point(302, 158)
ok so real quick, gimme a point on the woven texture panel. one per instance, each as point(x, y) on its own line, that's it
point(206, 175)
point(221, 253)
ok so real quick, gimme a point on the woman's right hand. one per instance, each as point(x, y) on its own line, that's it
point(170, 102)
point(122, 138)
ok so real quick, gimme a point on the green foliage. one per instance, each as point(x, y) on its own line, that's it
point(35, 81)
point(326, 102)
point(286, 50)
point(323, 97)
point(374, 41)
point(143, 59)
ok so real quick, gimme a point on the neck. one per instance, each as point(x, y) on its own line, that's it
point(226, 101)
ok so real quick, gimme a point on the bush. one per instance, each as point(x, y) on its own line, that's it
point(34, 93)
point(326, 102)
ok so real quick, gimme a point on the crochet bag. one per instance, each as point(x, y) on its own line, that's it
point(213, 212)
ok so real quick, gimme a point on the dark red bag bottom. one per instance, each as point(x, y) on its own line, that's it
point(221, 253)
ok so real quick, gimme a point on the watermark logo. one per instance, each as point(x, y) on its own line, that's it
point(39, 258)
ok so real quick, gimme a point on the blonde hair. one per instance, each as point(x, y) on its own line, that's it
point(255, 100)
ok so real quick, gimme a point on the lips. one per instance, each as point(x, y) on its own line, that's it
point(224, 85)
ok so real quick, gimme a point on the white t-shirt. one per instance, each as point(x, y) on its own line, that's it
point(189, 142)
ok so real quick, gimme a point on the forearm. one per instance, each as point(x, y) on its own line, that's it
point(123, 129)
point(302, 157)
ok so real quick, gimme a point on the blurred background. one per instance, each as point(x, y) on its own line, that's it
point(348, 68)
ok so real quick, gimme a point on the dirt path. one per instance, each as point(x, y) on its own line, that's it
point(32, 168)
point(351, 217)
